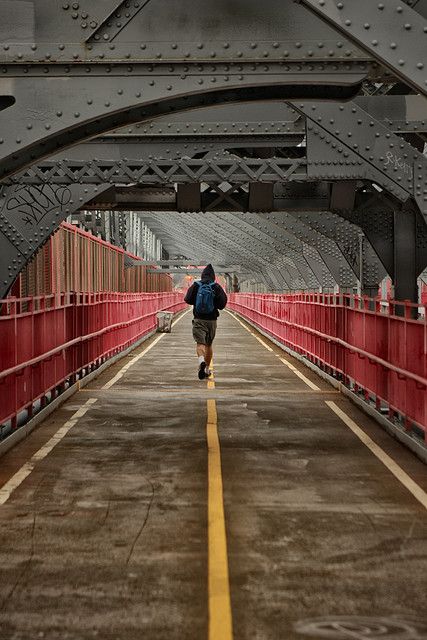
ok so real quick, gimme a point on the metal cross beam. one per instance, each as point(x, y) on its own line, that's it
point(343, 135)
point(187, 271)
point(70, 73)
point(170, 263)
point(394, 34)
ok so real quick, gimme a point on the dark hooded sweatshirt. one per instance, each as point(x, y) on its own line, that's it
point(220, 299)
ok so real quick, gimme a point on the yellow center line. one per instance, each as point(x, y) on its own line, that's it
point(211, 379)
point(220, 619)
point(220, 622)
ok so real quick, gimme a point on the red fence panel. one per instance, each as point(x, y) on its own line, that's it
point(48, 340)
point(358, 340)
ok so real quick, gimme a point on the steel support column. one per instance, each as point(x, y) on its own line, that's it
point(405, 261)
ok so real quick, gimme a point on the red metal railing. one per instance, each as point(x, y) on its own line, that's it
point(48, 341)
point(373, 351)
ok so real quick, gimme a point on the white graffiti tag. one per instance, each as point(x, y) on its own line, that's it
point(398, 164)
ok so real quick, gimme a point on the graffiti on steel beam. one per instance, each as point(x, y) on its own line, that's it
point(399, 164)
point(349, 135)
point(33, 203)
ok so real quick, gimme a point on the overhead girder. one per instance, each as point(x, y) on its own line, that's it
point(285, 274)
point(115, 103)
point(196, 36)
point(125, 76)
point(63, 92)
point(347, 237)
point(394, 35)
point(400, 113)
point(332, 154)
point(131, 171)
point(397, 233)
point(284, 243)
point(177, 237)
point(180, 240)
point(340, 136)
point(318, 266)
point(290, 244)
point(279, 253)
point(287, 195)
point(335, 260)
point(236, 245)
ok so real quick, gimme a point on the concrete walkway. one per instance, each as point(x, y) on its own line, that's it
point(106, 534)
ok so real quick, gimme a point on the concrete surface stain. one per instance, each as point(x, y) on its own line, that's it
point(360, 628)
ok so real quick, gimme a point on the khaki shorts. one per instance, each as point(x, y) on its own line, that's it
point(204, 331)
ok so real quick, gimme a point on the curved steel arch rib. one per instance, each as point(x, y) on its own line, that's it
point(187, 232)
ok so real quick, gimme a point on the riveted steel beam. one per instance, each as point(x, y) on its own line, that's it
point(70, 73)
point(347, 238)
point(272, 118)
point(62, 118)
point(286, 196)
point(186, 270)
point(28, 216)
point(336, 262)
point(393, 34)
point(150, 31)
point(350, 138)
point(268, 245)
point(117, 20)
point(319, 267)
point(231, 243)
point(280, 268)
point(292, 244)
point(216, 170)
point(376, 214)
point(335, 265)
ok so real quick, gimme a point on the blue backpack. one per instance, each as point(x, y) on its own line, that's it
point(205, 300)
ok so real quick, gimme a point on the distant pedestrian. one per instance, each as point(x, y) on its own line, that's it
point(207, 297)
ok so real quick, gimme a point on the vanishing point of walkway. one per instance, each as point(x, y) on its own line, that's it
point(124, 517)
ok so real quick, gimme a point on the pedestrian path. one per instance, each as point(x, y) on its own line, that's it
point(155, 506)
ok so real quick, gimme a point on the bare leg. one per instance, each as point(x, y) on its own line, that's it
point(208, 355)
point(201, 350)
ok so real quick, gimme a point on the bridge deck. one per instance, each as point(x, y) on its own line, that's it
point(107, 536)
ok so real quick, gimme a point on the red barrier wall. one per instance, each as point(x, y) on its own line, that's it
point(46, 341)
point(374, 352)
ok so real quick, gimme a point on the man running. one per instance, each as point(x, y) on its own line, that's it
point(206, 296)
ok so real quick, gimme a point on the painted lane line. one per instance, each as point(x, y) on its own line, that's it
point(264, 344)
point(294, 370)
point(19, 477)
point(388, 462)
point(220, 618)
point(300, 375)
point(135, 359)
